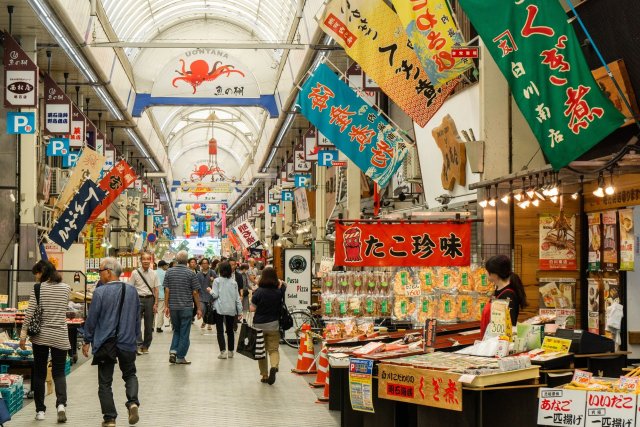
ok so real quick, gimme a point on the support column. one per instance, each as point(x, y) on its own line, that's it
point(353, 191)
point(321, 201)
point(28, 155)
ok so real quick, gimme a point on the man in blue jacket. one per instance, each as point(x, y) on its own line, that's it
point(104, 315)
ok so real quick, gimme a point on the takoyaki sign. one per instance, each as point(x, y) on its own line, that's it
point(403, 244)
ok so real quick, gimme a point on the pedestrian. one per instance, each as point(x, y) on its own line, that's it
point(205, 279)
point(247, 288)
point(145, 281)
point(52, 296)
point(266, 304)
point(163, 266)
point(236, 275)
point(228, 306)
point(180, 290)
point(253, 272)
point(113, 314)
point(193, 264)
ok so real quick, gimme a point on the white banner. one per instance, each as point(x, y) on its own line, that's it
point(57, 118)
point(246, 233)
point(302, 204)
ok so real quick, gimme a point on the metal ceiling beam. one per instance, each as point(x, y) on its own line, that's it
point(199, 45)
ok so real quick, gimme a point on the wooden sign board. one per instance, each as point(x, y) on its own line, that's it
point(454, 154)
point(420, 386)
point(627, 194)
point(619, 71)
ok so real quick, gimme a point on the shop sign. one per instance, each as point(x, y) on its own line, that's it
point(454, 154)
point(247, 234)
point(114, 183)
point(323, 141)
point(356, 129)
point(433, 34)
point(420, 386)
point(90, 133)
point(374, 37)
point(361, 384)
point(54, 255)
point(558, 407)
point(627, 240)
point(70, 223)
point(302, 204)
point(410, 245)
point(300, 163)
point(611, 409)
point(110, 156)
point(20, 76)
point(77, 135)
point(88, 166)
point(627, 194)
point(148, 211)
point(297, 276)
point(430, 332)
point(58, 147)
point(553, 344)
point(557, 242)
point(302, 181)
point(311, 144)
point(57, 108)
point(21, 123)
point(287, 196)
point(538, 52)
point(71, 159)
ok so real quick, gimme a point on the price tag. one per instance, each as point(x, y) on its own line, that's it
point(629, 383)
point(553, 344)
point(412, 289)
point(557, 407)
point(581, 377)
point(614, 409)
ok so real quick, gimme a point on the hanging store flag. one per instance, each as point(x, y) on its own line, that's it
point(20, 76)
point(302, 204)
point(77, 134)
point(627, 239)
point(541, 58)
point(87, 167)
point(396, 245)
point(70, 223)
point(300, 162)
point(110, 156)
point(352, 125)
point(433, 33)
point(114, 183)
point(100, 140)
point(610, 240)
point(247, 234)
point(57, 108)
point(373, 36)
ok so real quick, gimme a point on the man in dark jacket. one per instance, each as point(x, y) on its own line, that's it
point(205, 278)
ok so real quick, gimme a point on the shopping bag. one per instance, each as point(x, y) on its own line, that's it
point(251, 342)
point(210, 314)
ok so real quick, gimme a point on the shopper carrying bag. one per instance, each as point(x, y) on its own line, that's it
point(251, 342)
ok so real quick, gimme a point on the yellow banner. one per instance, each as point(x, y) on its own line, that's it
point(373, 36)
point(433, 33)
point(89, 166)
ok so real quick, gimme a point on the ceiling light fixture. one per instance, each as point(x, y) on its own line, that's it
point(599, 192)
point(610, 189)
point(524, 204)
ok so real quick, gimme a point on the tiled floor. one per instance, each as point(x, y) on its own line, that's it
point(208, 392)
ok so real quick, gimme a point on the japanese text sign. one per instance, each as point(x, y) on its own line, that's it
point(119, 178)
point(373, 36)
point(88, 166)
point(430, 332)
point(361, 384)
point(70, 223)
point(247, 234)
point(420, 386)
point(57, 107)
point(433, 33)
point(553, 344)
point(611, 409)
point(397, 245)
point(558, 407)
point(539, 54)
point(352, 125)
point(20, 76)
point(77, 133)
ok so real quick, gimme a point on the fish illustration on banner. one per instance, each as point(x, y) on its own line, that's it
point(70, 223)
point(88, 167)
point(352, 125)
point(373, 36)
point(539, 54)
point(433, 33)
point(119, 178)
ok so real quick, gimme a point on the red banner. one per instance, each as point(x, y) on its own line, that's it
point(114, 183)
point(407, 245)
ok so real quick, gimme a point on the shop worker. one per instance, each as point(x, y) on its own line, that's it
point(508, 286)
point(105, 315)
point(181, 289)
point(205, 278)
point(145, 281)
point(163, 266)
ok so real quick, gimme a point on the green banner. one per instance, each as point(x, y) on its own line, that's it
point(539, 54)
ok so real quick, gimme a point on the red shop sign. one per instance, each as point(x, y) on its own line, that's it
point(403, 245)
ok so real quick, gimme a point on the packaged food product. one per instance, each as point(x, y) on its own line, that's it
point(466, 281)
point(349, 327)
point(448, 279)
point(365, 326)
point(466, 308)
point(328, 282)
point(384, 302)
point(384, 279)
point(481, 283)
point(342, 304)
point(370, 348)
point(357, 283)
point(403, 308)
point(329, 305)
point(427, 308)
point(342, 280)
point(371, 306)
point(333, 329)
point(370, 283)
point(481, 302)
point(428, 277)
point(447, 310)
point(401, 278)
point(355, 305)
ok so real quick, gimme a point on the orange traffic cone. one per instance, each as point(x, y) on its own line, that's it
point(306, 359)
point(323, 369)
point(325, 396)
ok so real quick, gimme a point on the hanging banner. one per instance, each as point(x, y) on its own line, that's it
point(88, 167)
point(247, 234)
point(539, 54)
point(134, 201)
point(70, 223)
point(311, 144)
point(433, 33)
point(300, 162)
point(57, 108)
point(398, 245)
point(114, 183)
point(90, 134)
point(557, 242)
point(355, 128)
point(610, 240)
point(627, 239)
point(77, 135)
point(110, 156)
point(302, 204)
point(100, 141)
point(20, 76)
point(595, 242)
point(373, 36)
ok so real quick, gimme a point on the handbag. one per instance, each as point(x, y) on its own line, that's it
point(210, 314)
point(286, 321)
point(251, 342)
point(36, 319)
point(108, 351)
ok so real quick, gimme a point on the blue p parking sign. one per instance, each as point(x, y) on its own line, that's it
point(22, 123)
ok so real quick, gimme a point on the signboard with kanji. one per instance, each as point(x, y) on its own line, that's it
point(558, 407)
point(247, 234)
point(20, 76)
point(57, 108)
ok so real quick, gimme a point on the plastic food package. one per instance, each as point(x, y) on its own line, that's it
point(369, 282)
point(404, 308)
point(349, 325)
point(481, 283)
point(481, 302)
point(428, 277)
point(448, 279)
point(358, 283)
point(384, 281)
point(447, 310)
point(355, 305)
point(342, 305)
point(371, 305)
point(328, 282)
point(333, 329)
point(384, 302)
point(466, 308)
point(401, 278)
point(328, 304)
point(365, 326)
point(427, 308)
point(466, 280)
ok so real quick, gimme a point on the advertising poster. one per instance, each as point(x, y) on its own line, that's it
point(627, 239)
point(595, 242)
point(610, 239)
point(611, 292)
point(361, 384)
point(557, 242)
point(557, 295)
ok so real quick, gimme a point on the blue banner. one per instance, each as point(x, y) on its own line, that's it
point(352, 125)
point(76, 214)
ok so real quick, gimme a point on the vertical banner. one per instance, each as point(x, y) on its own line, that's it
point(539, 54)
point(100, 141)
point(373, 36)
point(247, 234)
point(433, 33)
point(595, 242)
point(557, 242)
point(358, 130)
point(223, 221)
point(610, 240)
point(57, 108)
point(627, 239)
point(20, 76)
point(302, 204)
point(311, 144)
point(77, 134)
point(88, 167)
point(114, 183)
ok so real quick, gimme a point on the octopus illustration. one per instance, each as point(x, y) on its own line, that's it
point(199, 73)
